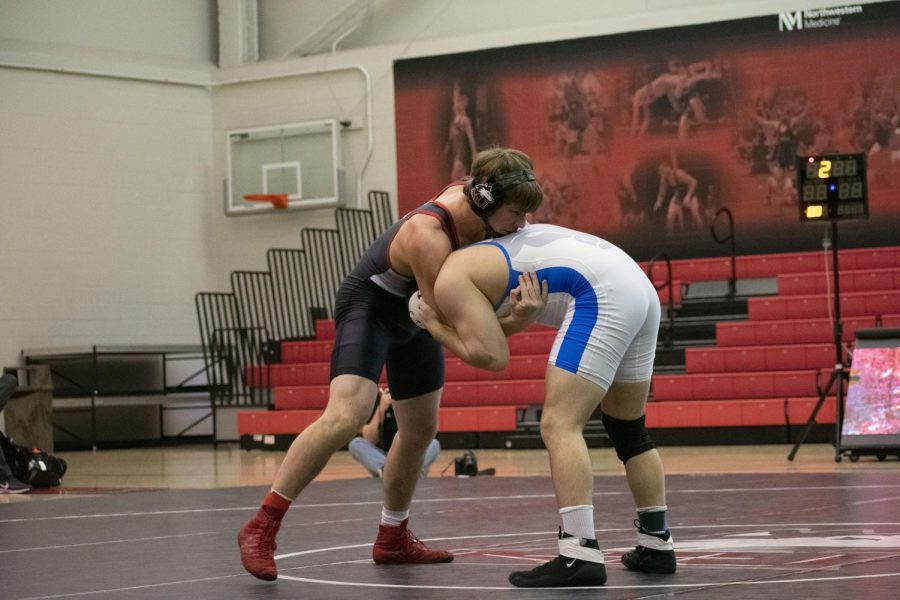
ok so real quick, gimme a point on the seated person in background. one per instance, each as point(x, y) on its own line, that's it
point(371, 446)
point(607, 313)
point(8, 483)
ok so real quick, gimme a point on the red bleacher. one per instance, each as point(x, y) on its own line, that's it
point(854, 304)
point(871, 280)
point(765, 371)
point(796, 331)
point(771, 265)
point(769, 369)
point(759, 358)
point(738, 413)
point(752, 384)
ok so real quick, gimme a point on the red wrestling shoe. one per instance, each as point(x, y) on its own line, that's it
point(398, 546)
point(257, 543)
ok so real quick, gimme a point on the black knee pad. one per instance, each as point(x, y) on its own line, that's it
point(630, 438)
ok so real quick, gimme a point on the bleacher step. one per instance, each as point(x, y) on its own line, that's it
point(701, 290)
point(796, 331)
point(669, 360)
point(711, 308)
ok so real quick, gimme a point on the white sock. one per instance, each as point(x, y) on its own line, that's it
point(579, 521)
point(393, 517)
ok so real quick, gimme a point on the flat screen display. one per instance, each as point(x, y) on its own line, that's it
point(872, 408)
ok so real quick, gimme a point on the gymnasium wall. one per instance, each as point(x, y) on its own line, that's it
point(105, 179)
point(112, 138)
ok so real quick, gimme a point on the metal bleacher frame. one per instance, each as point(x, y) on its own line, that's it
point(229, 347)
point(293, 297)
point(241, 331)
point(86, 378)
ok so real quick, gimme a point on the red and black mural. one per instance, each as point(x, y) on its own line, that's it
point(641, 138)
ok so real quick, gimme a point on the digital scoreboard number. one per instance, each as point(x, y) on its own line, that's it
point(832, 187)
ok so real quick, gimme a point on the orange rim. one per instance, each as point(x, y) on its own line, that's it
point(277, 200)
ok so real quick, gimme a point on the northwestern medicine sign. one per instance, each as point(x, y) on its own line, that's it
point(815, 18)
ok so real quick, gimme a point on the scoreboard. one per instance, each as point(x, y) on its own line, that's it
point(832, 187)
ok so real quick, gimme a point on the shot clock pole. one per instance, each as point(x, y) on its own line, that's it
point(834, 188)
point(839, 373)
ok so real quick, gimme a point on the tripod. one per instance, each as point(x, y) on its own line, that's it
point(840, 373)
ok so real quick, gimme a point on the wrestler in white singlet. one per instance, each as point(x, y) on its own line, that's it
point(606, 309)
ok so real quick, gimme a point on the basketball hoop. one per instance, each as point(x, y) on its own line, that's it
point(279, 201)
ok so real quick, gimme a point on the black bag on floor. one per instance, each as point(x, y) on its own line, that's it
point(32, 465)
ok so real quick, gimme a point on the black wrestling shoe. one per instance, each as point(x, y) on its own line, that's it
point(566, 571)
point(655, 553)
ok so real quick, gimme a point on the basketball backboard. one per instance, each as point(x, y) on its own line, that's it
point(302, 160)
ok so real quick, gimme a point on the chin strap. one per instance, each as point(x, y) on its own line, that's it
point(488, 230)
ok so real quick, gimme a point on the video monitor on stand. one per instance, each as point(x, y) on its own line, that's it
point(871, 423)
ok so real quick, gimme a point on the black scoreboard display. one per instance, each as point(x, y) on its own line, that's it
point(832, 187)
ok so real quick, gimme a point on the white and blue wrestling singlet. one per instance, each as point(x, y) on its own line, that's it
point(606, 309)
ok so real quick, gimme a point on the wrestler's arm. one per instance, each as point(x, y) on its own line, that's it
point(469, 328)
point(424, 246)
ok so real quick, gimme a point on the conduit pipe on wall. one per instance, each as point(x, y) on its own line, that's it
point(213, 84)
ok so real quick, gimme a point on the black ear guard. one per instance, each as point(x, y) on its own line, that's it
point(487, 196)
